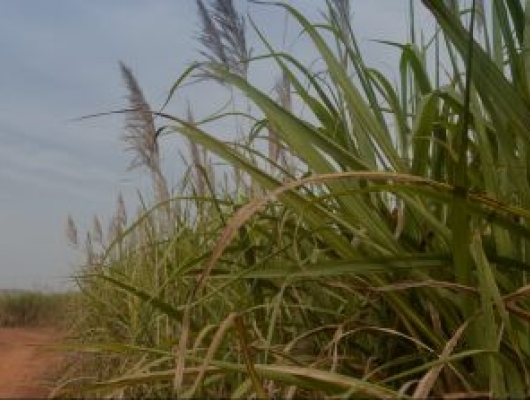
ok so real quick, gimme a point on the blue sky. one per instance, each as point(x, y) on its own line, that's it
point(59, 61)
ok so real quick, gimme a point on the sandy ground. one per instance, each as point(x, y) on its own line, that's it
point(25, 366)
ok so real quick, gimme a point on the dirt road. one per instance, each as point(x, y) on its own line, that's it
point(25, 366)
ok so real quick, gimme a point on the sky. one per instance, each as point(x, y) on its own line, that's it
point(59, 61)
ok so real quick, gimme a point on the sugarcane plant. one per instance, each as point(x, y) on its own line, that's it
point(377, 247)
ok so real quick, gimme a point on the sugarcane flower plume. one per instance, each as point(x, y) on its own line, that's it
point(223, 36)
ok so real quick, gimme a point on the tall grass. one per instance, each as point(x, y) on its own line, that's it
point(33, 308)
point(387, 258)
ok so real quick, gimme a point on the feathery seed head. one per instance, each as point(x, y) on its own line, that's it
point(140, 126)
point(142, 134)
point(223, 36)
point(121, 212)
point(71, 231)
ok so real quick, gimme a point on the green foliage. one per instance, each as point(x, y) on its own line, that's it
point(386, 256)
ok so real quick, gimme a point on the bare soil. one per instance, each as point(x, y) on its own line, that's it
point(27, 367)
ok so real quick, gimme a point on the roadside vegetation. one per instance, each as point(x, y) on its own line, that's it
point(34, 309)
point(367, 237)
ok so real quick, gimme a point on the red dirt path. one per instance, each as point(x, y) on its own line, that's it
point(25, 365)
